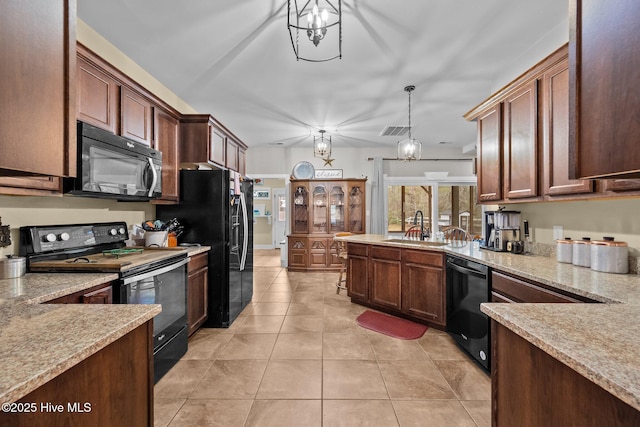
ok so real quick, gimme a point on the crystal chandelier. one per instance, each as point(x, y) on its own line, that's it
point(322, 146)
point(317, 16)
point(410, 148)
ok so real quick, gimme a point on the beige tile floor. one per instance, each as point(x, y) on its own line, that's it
point(296, 357)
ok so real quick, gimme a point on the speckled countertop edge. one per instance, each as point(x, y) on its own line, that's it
point(52, 351)
point(580, 336)
point(195, 250)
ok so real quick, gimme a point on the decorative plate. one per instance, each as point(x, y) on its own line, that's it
point(303, 170)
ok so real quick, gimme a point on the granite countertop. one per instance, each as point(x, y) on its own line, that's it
point(195, 250)
point(596, 340)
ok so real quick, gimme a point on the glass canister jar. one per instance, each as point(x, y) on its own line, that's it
point(582, 252)
point(564, 250)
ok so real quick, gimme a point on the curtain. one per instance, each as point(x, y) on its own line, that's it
point(378, 195)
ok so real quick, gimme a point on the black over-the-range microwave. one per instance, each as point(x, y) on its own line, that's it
point(110, 166)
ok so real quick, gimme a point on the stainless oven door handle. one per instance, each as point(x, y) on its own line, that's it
point(245, 234)
point(157, 272)
point(464, 270)
point(154, 180)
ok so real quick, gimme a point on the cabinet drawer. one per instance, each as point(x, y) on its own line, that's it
point(386, 253)
point(197, 262)
point(356, 249)
point(521, 291)
point(435, 259)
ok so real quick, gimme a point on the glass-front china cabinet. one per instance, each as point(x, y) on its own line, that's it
point(319, 210)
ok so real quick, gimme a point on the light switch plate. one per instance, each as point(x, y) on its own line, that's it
point(558, 232)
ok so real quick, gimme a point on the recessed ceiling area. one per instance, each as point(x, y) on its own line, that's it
point(234, 60)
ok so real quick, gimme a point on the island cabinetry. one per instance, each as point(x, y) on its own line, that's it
point(404, 282)
point(319, 210)
point(95, 397)
point(101, 294)
point(197, 291)
point(604, 63)
point(358, 272)
point(531, 388)
point(385, 270)
point(423, 287)
point(513, 289)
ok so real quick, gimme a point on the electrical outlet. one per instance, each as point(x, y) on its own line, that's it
point(558, 232)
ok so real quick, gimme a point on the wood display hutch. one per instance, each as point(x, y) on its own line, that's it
point(319, 210)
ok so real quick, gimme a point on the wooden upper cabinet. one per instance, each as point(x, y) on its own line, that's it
point(555, 108)
point(166, 140)
point(37, 87)
point(218, 144)
point(521, 142)
point(605, 73)
point(242, 161)
point(136, 116)
point(621, 185)
point(97, 97)
point(232, 155)
point(490, 150)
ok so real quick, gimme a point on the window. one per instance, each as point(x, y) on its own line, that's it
point(456, 206)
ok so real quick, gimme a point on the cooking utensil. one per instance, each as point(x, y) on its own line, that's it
point(12, 267)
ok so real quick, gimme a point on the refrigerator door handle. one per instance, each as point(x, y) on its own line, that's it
point(245, 234)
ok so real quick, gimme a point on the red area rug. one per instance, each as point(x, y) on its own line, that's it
point(390, 325)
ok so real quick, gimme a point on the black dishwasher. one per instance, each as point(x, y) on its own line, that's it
point(468, 285)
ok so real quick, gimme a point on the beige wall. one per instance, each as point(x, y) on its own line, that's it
point(619, 218)
point(262, 230)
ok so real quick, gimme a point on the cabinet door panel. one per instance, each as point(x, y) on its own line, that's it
point(556, 135)
point(358, 277)
point(622, 184)
point(232, 155)
point(423, 293)
point(166, 140)
point(521, 143)
point(197, 293)
point(386, 283)
point(490, 143)
point(218, 144)
point(19, 186)
point(136, 117)
point(604, 60)
point(37, 87)
point(97, 97)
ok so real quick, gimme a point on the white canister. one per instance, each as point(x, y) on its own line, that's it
point(582, 252)
point(156, 238)
point(609, 256)
point(564, 250)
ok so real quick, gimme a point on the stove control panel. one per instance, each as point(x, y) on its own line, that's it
point(52, 238)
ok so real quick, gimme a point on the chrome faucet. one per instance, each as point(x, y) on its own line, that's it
point(415, 222)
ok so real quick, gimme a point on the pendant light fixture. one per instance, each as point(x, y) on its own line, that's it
point(315, 19)
point(410, 148)
point(322, 145)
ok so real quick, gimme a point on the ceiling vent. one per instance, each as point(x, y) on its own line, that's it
point(394, 130)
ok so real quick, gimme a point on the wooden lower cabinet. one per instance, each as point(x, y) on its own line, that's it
point(197, 291)
point(532, 389)
point(309, 253)
point(101, 294)
point(404, 282)
point(117, 383)
point(385, 267)
point(358, 272)
point(506, 288)
point(423, 293)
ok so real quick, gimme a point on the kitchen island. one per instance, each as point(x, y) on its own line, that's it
point(75, 364)
point(585, 344)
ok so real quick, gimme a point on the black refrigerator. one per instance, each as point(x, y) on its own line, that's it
point(216, 209)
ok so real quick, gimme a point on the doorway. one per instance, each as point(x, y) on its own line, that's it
point(279, 228)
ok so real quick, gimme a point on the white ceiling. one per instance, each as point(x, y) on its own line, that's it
point(234, 59)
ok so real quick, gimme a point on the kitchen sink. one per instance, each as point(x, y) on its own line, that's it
point(415, 242)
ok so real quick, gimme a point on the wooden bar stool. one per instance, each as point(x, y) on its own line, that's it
point(341, 249)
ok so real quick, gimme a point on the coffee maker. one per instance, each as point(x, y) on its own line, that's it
point(502, 231)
